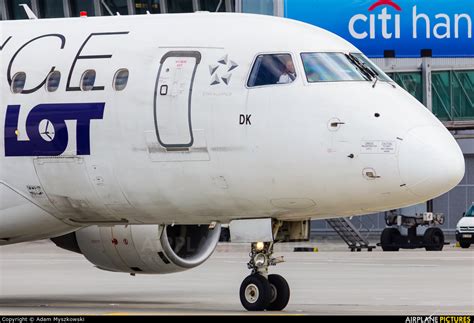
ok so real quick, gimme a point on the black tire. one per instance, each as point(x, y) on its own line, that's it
point(280, 293)
point(255, 293)
point(464, 244)
point(435, 238)
point(388, 238)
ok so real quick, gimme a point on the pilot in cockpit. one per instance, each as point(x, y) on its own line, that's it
point(289, 74)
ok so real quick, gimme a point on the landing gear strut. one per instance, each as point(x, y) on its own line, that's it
point(261, 291)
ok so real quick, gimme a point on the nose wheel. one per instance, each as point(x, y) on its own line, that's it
point(260, 291)
point(255, 293)
point(280, 293)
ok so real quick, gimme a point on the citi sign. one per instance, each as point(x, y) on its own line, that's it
point(382, 24)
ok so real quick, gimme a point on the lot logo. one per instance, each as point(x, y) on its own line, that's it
point(413, 23)
point(226, 64)
point(47, 130)
point(385, 2)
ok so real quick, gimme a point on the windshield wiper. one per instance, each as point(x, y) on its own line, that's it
point(374, 72)
point(366, 70)
point(376, 80)
point(359, 66)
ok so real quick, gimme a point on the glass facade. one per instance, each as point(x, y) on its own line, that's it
point(411, 81)
point(453, 95)
point(211, 5)
point(51, 8)
point(115, 6)
point(142, 6)
point(14, 9)
point(452, 92)
point(177, 6)
point(72, 8)
point(264, 7)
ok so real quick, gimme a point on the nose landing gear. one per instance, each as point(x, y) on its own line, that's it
point(261, 291)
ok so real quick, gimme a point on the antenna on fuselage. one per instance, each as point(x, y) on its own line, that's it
point(28, 11)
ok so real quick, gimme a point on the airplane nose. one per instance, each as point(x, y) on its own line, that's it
point(430, 161)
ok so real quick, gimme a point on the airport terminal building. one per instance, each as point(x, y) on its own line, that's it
point(426, 46)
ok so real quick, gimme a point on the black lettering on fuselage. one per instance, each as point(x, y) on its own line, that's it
point(9, 70)
point(5, 42)
point(79, 56)
point(244, 119)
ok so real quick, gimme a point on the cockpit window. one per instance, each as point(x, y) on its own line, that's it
point(335, 67)
point(330, 67)
point(272, 69)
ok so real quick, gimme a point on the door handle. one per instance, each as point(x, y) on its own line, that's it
point(337, 123)
point(164, 90)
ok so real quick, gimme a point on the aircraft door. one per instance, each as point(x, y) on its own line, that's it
point(173, 97)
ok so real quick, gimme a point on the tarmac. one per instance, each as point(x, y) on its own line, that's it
point(39, 278)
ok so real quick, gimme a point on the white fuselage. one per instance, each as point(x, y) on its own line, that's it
point(308, 150)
